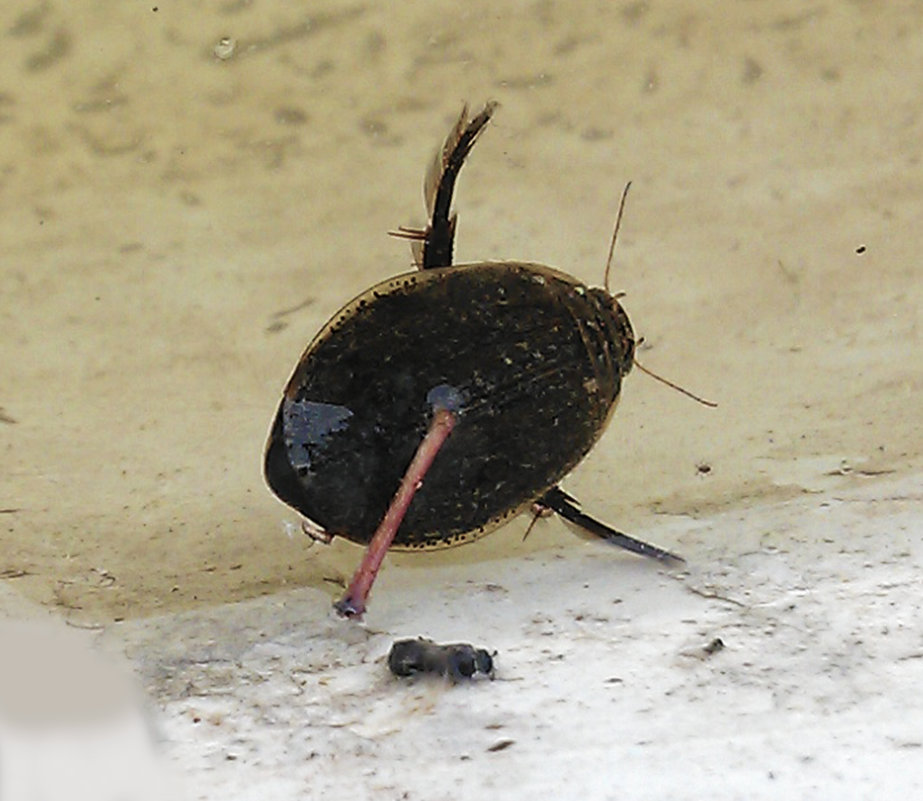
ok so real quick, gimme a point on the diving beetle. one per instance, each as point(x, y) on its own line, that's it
point(440, 403)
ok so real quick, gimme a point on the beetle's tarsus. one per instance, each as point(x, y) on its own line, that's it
point(347, 606)
point(568, 507)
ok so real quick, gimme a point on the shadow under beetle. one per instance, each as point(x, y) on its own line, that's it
point(440, 403)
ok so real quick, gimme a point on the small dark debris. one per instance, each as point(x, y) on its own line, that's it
point(13, 573)
point(292, 309)
point(458, 661)
point(752, 71)
point(703, 468)
point(860, 250)
point(714, 646)
point(500, 745)
point(277, 323)
point(290, 115)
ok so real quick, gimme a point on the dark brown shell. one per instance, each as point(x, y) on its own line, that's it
point(531, 359)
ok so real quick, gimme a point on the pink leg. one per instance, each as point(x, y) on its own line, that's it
point(352, 604)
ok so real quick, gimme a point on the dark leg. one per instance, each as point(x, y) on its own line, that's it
point(352, 604)
point(432, 246)
point(440, 233)
point(569, 509)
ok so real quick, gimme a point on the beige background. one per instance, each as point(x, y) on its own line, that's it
point(189, 190)
point(175, 227)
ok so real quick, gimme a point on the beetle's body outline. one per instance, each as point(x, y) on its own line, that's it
point(496, 382)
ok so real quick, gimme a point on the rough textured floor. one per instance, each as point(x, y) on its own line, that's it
point(609, 684)
point(187, 192)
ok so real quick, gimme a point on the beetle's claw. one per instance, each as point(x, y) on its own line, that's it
point(349, 607)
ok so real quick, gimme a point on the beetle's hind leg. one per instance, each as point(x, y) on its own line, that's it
point(353, 602)
point(433, 246)
point(568, 507)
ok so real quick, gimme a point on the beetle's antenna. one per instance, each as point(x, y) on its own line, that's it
point(641, 367)
point(615, 235)
point(677, 387)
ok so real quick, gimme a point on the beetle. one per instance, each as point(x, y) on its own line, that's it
point(440, 403)
point(458, 661)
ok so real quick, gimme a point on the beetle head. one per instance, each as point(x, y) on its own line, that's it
point(618, 328)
